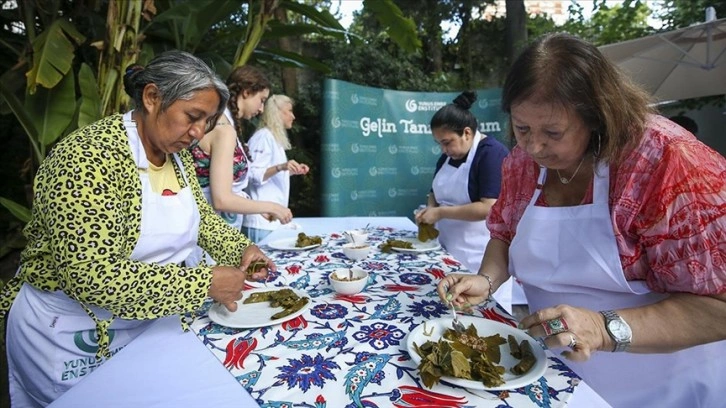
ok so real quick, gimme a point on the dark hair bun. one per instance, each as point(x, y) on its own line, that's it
point(129, 77)
point(465, 100)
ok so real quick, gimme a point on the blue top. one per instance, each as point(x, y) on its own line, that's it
point(485, 175)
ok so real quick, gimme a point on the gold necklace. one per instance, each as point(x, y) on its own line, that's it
point(564, 180)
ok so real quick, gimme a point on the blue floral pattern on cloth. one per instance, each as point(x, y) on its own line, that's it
point(349, 350)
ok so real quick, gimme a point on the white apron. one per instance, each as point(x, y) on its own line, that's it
point(465, 240)
point(568, 255)
point(52, 342)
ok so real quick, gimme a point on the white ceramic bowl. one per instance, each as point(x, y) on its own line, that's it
point(342, 283)
point(359, 237)
point(357, 251)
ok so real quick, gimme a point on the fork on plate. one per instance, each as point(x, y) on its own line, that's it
point(456, 324)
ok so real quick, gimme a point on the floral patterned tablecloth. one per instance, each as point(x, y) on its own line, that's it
point(350, 351)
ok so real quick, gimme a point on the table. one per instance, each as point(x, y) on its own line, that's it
point(314, 360)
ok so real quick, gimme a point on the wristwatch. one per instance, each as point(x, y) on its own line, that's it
point(618, 330)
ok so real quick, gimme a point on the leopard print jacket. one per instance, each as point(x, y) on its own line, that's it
point(85, 223)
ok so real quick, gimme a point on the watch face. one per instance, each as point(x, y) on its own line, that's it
point(619, 330)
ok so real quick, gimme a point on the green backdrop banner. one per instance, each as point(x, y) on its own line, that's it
point(378, 155)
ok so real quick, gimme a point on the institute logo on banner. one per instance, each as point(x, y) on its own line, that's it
point(338, 172)
point(436, 149)
point(357, 148)
point(363, 100)
point(335, 122)
point(419, 170)
point(412, 105)
point(363, 194)
point(394, 192)
point(383, 171)
point(393, 149)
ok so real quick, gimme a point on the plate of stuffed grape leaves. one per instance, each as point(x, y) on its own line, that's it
point(414, 245)
point(488, 355)
point(301, 243)
point(262, 307)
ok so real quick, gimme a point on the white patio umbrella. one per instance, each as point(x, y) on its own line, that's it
point(680, 64)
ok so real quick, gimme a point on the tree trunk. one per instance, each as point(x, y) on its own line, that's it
point(289, 75)
point(432, 38)
point(516, 36)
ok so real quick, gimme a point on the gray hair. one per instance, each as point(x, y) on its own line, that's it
point(177, 75)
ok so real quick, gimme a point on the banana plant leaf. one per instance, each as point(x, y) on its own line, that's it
point(89, 109)
point(290, 59)
point(52, 110)
point(278, 30)
point(16, 106)
point(19, 211)
point(53, 52)
point(402, 30)
point(322, 17)
point(187, 22)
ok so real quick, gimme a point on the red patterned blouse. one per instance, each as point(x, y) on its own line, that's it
point(668, 206)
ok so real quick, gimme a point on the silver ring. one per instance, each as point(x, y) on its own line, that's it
point(573, 342)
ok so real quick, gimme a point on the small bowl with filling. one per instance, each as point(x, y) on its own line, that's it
point(356, 252)
point(349, 281)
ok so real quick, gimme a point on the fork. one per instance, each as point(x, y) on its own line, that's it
point(456, 324)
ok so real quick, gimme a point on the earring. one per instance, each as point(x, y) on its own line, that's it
point(596, 153)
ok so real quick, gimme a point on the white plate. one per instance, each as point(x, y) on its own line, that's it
point(484, 327)
point(253, 315)
point(418, 246)
point(288, 244)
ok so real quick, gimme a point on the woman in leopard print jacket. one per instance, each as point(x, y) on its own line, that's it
point(116, 210)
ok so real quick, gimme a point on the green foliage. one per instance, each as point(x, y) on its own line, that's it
point(400, 28)
point(19, 211)
point(682, 13)
point(52, 110)
point(379, 63)
point(610, 24)
point(53, 53)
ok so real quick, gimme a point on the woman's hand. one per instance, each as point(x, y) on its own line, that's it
point(463, 290)
point(227, 285)
point(251, 255)
point(296, 168)
point(428, 215)
point(280, 213)
point(585, 331)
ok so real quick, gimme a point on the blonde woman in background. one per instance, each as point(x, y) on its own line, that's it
point(270, 169)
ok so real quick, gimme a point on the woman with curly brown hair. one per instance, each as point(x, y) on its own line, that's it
point(221, 160)
point(613, 219)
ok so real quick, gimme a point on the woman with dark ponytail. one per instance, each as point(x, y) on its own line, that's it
point(116, 212)
point(465, 186)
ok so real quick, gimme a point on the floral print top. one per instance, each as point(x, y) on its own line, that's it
point(667, 203)
point(202, 161)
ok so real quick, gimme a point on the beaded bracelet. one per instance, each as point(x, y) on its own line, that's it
point(491, 287)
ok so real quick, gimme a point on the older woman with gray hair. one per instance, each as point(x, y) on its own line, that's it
point(116, 211)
